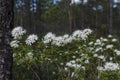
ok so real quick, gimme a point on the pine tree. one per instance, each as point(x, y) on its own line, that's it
point(6, 24)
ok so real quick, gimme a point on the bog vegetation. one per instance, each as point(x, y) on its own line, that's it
point(78, 56)
point(66, 40)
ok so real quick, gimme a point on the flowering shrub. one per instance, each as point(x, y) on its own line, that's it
point(79, 56)
point(18, 32)
point(31, 39)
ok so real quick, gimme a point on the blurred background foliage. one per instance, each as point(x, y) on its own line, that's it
point(62, 16)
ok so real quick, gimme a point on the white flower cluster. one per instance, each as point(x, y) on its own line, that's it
point(86, 61)
point(117, 52)
point(110, 46)
point(30, 55)
point(110, 36)
point(31, 39)
point(97, 46)
point(49, 37)
point(78, 1)
point(100, 57)
point(114, 40)
point(101, 44)
point(75, 1)
point(73, 64)
point(14, 43)
point(62, 40)
point(58, 41)
point(81, 34)
point(18, 32)
point(65, 39)
point(109, 66)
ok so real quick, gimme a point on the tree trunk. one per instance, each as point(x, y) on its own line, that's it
point(6, 24)
point(82, 14)
point(96, 15)
point(70, 17)
point(111, 18)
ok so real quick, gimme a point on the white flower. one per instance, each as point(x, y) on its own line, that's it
point(72, 61)
point(98, 42)
point(102, 44)
point(114, 40)
point(79, 47)
point(84, 36)
point(68, 40)
point(65, 39)
point(61, 40)
point(14, 55)
point(73, 74)
point(75, 1)
point(100, 68)
point(73, 57)
point(110, 66)
point(73, 64)
point(101, 57)
point(30, 55)
point(90, 48)
point(14, 44)
point(87, 61)
point(53, 73)
point(31, 39)
point(77, 34)
point(109, 46)
point(82, 54)
point(83, 67)
point(90, 43)
point(95, 55)
point(87, 31)
point(78, 2)
point(110, 36)
point(61, 63)
point(98, 49)
point(111, 58)
point(58, 41)
point(101, 38)
point(66, 68)
point(18, 32)
point(49, 37)
point(105, 40)
point(117, 52)
point(65, 36)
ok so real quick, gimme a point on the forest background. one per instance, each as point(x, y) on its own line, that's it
point(65, 16)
